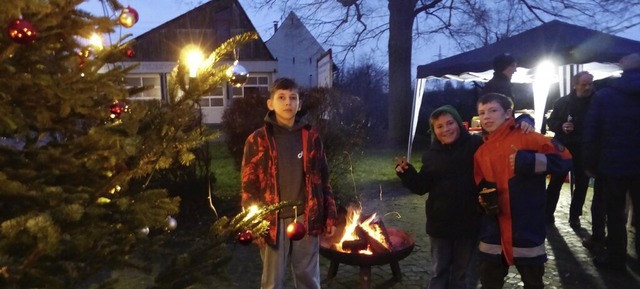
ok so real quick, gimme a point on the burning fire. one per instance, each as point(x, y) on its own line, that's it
point(371, 229)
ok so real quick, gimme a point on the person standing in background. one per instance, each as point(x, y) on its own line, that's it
point(504, 66)
point(566, 121)
point(612, 154)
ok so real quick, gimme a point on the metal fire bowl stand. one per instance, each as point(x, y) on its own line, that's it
point(366, 261)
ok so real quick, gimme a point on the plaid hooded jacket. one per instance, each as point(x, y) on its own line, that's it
point(260, 180)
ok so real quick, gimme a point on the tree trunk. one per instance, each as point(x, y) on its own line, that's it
point(401, 19)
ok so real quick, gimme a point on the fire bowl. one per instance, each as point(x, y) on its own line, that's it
point(401, 244)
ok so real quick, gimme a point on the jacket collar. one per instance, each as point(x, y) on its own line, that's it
point(464, 135)
point(502, 131)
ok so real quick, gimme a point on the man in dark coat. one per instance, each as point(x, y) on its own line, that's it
point(504, 66)
point(566, 121)
point(612, 152)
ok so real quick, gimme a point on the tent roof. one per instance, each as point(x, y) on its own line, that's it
point(558, 41)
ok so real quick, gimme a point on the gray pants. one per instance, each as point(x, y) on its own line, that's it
point(450, 259)
point(302, 255)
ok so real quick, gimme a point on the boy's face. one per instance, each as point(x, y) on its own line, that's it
point(492, 115)
point(286, 104)
point(446, 129)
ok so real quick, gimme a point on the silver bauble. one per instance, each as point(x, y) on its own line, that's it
point(172, 223)
point(237, 74)
point(143, 232)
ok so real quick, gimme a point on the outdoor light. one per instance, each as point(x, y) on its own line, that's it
point(193, 58)
point(253, 210)
point(96, 41)
point(544, 76)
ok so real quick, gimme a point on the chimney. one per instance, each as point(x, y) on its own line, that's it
point(275, 26)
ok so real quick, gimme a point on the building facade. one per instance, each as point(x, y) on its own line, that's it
point(297, 51)
point(206, 26)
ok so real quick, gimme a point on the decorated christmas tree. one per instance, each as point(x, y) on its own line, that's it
point(77, 153)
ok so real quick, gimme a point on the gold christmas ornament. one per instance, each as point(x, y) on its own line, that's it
point(128, 17)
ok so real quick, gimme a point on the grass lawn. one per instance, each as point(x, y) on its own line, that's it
point(227, 175)
point(370, 168)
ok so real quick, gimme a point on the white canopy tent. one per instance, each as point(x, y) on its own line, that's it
point(569, 47)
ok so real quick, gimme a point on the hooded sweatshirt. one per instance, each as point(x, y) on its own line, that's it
point(288, 142)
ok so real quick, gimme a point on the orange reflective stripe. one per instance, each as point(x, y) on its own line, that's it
point(305, 136)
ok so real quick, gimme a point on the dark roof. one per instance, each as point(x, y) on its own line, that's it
point(561, 42)
point(207, 26)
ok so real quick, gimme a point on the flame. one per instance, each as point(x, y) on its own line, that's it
point(352, 221)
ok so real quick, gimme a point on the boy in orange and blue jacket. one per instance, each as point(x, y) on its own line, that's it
point(516, 165)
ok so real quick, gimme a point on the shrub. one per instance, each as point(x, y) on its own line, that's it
point(244, 116)
point(341, 120)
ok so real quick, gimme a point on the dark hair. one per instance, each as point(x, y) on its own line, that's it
point(283, 84)
point(503, 100)
point(502, 61)
point(576, 77)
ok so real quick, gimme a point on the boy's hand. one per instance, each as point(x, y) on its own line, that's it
point(481, 201)
point(401, 164)
point(330, 230)
point(260, 242)
point(526, 127)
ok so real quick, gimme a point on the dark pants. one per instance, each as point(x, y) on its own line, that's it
point(578, 195)
point(553, 194)
point(450, 262)
point(580, 182)
point(598, 211)
point(616, 189)
point(492, 275)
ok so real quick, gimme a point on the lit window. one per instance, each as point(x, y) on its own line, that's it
point(151, 81)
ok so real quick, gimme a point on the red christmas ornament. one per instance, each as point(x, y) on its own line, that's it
point(117, 108)
point(81, 61)
point(245, 237)
point(296, 231)
point(129, 52)
point(82, 57)
point(21, 31)
point(128, 17)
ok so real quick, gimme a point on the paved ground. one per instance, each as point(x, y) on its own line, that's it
point(569, 263)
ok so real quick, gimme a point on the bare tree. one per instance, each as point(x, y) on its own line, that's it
point(347, 24)
point(367, 80)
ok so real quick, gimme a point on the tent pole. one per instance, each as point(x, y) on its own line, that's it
point(415, 112)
